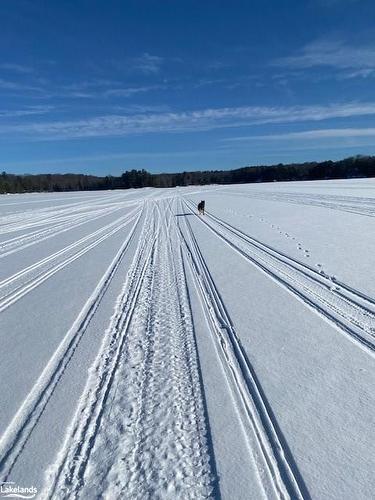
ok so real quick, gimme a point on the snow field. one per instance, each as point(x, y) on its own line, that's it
point(138, 333)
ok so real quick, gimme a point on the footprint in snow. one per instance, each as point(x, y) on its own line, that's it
point(321, 270)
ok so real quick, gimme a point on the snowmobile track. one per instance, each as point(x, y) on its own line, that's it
point(20, 428)
point(53, 224)
point(141, 320)
point(67, 472)
point(351, 312)
point(351, 204)
point(19, 286)
point(278, 474)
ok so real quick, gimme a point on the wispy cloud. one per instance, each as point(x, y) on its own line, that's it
point(146, 64)
point(333, 53)
point(188, 121)
point(88, 90)
point(16, 68)
point(99, 93)
point(311, 135)
point(18, 86)
point(359, 73)
point(93, 83)
point(141, 108)
point(129, 91)
point(108, 157)
point(27, 111)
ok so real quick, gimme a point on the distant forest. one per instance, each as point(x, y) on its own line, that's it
point(358, 166)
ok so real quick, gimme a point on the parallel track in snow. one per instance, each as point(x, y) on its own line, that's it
point(350, 204)
point(27, 417)
point(52, 227)
point(351, 311)
point(65, 476)
point(144, 380)
point(23, 221)
point(25, 240)
point(278, 475)
point(23, 282)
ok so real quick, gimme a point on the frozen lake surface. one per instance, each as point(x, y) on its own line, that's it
point(149, 352)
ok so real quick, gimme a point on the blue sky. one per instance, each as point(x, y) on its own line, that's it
point(104, 86)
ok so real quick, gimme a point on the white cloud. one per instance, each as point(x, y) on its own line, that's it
point(187, 121)
point(148, 63)
point(312, 134)
point(30, 110)
point(98, 89)
point(129, 91)
point(358, 73)
point(132, 109)
point(15, 86)
point(16, 68)
point(109, 157)
point(8, 85)
point(333, 53)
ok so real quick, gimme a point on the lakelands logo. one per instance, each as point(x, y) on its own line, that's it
point(12, 490)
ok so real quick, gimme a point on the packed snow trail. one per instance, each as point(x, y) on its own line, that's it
point(350, 310)
point(351, 204)
point(139, 431)
point(16, 286)
point(23, 423)
point(278, 475)
point(74, 218)
point(145, 388)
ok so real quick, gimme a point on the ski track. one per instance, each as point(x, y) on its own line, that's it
point(20, 428)
point(278, 475)
point(145, 381)
point(48, 200)
point(356, 205)
point(57, 227)
point(25, 240)
point(34, 218)
point(25, 281)
point(352, 312)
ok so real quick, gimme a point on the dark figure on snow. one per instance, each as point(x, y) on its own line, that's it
point(201, 207)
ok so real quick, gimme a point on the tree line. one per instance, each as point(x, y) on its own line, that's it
point(357, 166)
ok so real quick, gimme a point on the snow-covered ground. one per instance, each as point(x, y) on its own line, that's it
point(148, 352)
